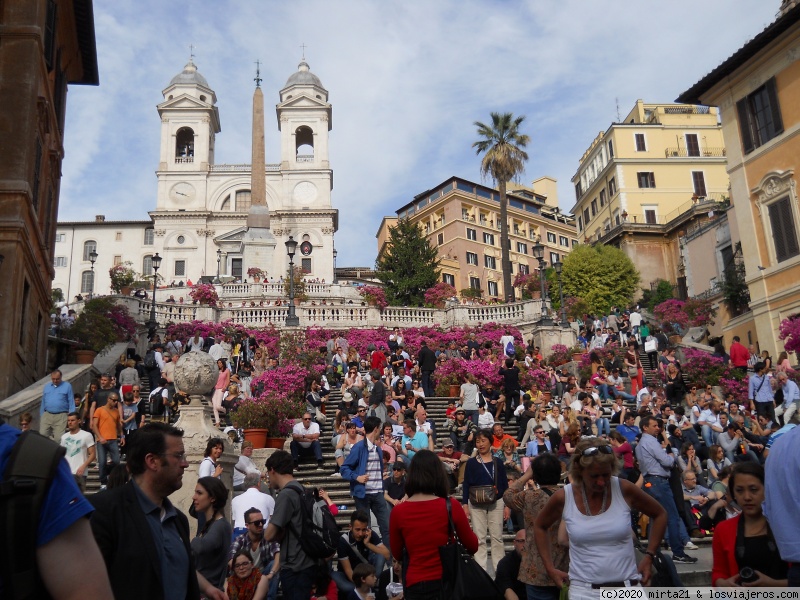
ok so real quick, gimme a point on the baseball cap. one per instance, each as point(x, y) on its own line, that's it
point(448, 443)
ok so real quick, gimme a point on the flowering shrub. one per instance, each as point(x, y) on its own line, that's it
point(274, 413)
point(530, 284)
point(737, 387)
point(122, 275)
point(577, 308)
point(560, 355)
point(439, 294)
point(374, 295)
point(702, 367)
point(204, 293)
point(255, 272)
point(184, 331)
point(691, 313)
point(100, 324)
point(789, 332)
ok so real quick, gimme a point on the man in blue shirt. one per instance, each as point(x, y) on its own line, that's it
point(791, 397)
point(782, 491)
point(628, 429)
point(413, 440)
point(759, 392)
point(57, 403)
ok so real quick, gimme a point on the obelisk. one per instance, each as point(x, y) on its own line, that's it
point(258, 241)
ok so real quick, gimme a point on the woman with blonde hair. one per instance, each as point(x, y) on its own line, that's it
point(195, 344)
point(569, 441)
point(596, 508)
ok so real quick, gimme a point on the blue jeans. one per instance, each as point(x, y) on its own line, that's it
point(377, 504)
point(709, 435)
point(345, 585)
point(603, 426)
point(110, 448)
point(541, 592)
point(661, 492)
point(603, 390)
point(272, 591)
point(472, 415)
point(297, 585)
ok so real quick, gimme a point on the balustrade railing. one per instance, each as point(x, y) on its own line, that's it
point(166, 312)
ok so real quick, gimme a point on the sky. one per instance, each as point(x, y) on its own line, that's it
point(406, 80)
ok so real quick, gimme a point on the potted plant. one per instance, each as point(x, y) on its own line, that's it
point(256, 274)
point(560, 355)
point(576, 352)
point(268, 419)
point(204, 293)
point(473, 293)
point(101, 324)
point(438, 295)
point(374, 295)
point(122, 278)
point(300, 294)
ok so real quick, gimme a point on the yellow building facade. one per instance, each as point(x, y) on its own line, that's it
point(461, 219)
point(758, 92)
point(643, 173)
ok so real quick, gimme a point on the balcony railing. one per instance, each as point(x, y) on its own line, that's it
point(184, 159)
point(305, 158)
point(700, 153)
point(246, 168)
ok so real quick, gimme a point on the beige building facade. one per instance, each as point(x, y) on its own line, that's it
point(757, 90)
point(461, 219)
point(645, 172)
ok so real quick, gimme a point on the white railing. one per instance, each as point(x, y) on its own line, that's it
point(166, 312)
point(276, 290)
point(239, 167)
point(422, 316)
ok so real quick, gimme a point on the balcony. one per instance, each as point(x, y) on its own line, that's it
point(676, 152)
point(305, 158)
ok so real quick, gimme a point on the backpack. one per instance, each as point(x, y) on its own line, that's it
point(150, 360)
point(30, 470)
point(319, 535)
point(664, 573)
point(510, 351)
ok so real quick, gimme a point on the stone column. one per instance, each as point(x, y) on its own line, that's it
point(196, 374)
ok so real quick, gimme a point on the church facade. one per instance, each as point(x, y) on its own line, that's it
point(202, 207)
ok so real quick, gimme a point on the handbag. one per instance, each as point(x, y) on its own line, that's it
point(651, 346)
point(462, 577)
point(484, 495)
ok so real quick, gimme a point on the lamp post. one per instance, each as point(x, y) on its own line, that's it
point(152, 325)
point(92, 259)
point(219, 258)
point(558, 266)
point(292, 320)
point(334, 265)
point(538, 254)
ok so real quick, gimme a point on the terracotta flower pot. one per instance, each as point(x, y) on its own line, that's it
point(455, 391)
point(577, 357)
point(257, 436)
point(85, 357)
point(276, 443)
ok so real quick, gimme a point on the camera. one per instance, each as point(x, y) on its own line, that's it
point(747, 575)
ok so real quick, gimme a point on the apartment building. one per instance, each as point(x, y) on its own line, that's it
point(461, 218)
point(758, 91)
point(645, 173)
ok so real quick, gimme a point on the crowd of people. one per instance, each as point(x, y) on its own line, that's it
point(598, 463)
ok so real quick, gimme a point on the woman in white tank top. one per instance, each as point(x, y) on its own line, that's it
point(596, 510)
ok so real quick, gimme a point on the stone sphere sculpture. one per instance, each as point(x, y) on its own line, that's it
point(196, 373)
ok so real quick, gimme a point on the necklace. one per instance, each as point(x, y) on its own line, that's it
point(586, 501)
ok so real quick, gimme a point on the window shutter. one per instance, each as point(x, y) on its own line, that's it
point(699, 182)
point(744, 126)
point(772, 94)
point(789, 230)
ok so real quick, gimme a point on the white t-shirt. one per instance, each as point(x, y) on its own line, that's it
point(77, 446)
point(504, 342)
point(245, 464)
point(300, 429)
point(251, 498)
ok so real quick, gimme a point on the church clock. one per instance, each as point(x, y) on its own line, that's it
point(182, 192)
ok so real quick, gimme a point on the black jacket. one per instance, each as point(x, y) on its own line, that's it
point(123, 535)
point(426, 359)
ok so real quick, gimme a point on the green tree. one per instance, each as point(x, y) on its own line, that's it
point(602, 276)
point(504, 159)
point(409, 266)
point(662, 292)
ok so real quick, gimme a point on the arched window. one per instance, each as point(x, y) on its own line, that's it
point(226, 204)
point(89, 246)
point(243, 200)
point(87, 279)
point(147, 265)
point(304, 144)
point(149, 236)
point(184, 145)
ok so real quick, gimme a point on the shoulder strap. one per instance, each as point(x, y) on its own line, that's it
point(451, 526)
point(29, 472)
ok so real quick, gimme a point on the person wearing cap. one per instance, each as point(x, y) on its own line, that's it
point(462, 431)
point(454, 462)
point(394, 486)
point(347, 404)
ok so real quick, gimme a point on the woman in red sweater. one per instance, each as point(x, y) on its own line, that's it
point(744, 547)
point(420, 525)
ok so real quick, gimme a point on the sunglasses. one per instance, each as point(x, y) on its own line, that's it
point(258, 523)
point(242, 565)
point(362, 410)
point(595, 450)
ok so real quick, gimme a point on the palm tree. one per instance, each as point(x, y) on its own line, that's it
point(504, 159)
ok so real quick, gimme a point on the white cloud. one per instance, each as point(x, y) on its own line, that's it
point(406, 80)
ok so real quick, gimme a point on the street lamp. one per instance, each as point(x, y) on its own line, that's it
point(538, 254)
point(292, 319)
point(152, 325)
point(334, 265)
point(219, 258)
point(92, 259)
point(558, 266)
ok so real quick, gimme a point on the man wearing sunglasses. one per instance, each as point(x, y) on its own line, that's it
point(252, 497)
point(265, 555)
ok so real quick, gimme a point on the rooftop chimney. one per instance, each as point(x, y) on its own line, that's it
point(99, 218)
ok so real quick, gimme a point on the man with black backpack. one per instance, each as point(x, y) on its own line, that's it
point(289, 524)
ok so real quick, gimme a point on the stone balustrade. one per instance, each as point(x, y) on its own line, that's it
point(276, 290)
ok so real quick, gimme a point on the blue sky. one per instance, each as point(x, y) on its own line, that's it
point(406, 81)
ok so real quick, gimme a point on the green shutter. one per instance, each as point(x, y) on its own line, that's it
point(745, 129)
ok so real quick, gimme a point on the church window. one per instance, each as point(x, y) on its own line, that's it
point(304, 144)
point(147, 265)
point(306, 265)
point(203, 98)
point(226, 204)
point(86, 282)
point(184, 145)
point(181, 239)
point(180, 268)
point(149, 236)
point(243, 200)
point(89, 246)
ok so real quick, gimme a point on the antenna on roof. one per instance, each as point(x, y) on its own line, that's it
point(619, 117)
